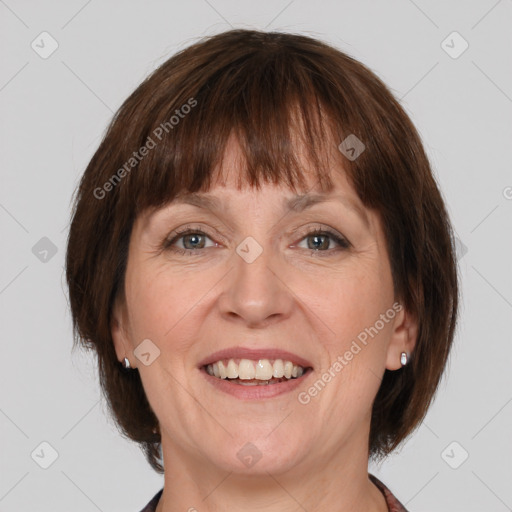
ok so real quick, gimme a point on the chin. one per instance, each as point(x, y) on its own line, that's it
point(260, 456)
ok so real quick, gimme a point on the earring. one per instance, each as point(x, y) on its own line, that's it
point(403, 358)
point(126, 363)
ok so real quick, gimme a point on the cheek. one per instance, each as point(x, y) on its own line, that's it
point(356, 344)
point(162, 305)
point(148, 305)
point(353, 301)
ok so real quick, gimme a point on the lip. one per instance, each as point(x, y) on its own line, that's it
point(255, 392)
point(255, 355)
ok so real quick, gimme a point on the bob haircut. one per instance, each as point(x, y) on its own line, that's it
point(277, 93)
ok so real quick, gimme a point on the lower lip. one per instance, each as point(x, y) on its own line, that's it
point(259, 392)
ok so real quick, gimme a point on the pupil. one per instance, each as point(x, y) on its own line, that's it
point(193, 238)
point(316, 238)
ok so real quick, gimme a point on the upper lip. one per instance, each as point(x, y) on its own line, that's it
point(255, 355)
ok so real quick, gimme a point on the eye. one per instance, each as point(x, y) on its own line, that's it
point(191, 240)
point(320, 240)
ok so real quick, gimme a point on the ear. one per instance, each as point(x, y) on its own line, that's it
point(403, 338)
point(119, 330)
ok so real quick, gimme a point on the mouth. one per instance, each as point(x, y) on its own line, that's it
point(242, 367)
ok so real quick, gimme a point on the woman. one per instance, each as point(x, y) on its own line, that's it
point(263, 262)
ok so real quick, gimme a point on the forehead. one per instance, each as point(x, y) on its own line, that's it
point(229, 185)
point(230, 171)
point(230, 180)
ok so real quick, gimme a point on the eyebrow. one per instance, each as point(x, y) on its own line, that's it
point(297, 203)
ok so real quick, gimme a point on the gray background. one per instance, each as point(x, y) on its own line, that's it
point(54, 111)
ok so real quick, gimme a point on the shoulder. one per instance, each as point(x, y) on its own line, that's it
point(393, 504)
point(151, 506)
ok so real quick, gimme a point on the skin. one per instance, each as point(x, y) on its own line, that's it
point(295, 296)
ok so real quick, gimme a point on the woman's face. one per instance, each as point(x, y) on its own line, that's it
point(253, 280)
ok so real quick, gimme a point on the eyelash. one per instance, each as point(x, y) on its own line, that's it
point(168, 243)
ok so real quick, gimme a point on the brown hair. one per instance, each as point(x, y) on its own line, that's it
point(260, 86)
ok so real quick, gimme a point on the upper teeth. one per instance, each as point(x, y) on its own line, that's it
point(246, 369)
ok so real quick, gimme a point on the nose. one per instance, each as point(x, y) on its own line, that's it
point(255, 292)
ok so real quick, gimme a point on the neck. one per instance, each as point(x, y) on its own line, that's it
point(337, 482)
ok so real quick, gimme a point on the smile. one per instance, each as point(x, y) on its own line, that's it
point(247, 372)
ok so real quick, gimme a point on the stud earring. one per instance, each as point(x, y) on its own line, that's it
point(126, 363)
point(403, 358)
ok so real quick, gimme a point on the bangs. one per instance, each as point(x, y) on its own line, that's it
point(284, 114)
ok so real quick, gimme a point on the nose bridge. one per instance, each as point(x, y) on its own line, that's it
point(254, 292)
